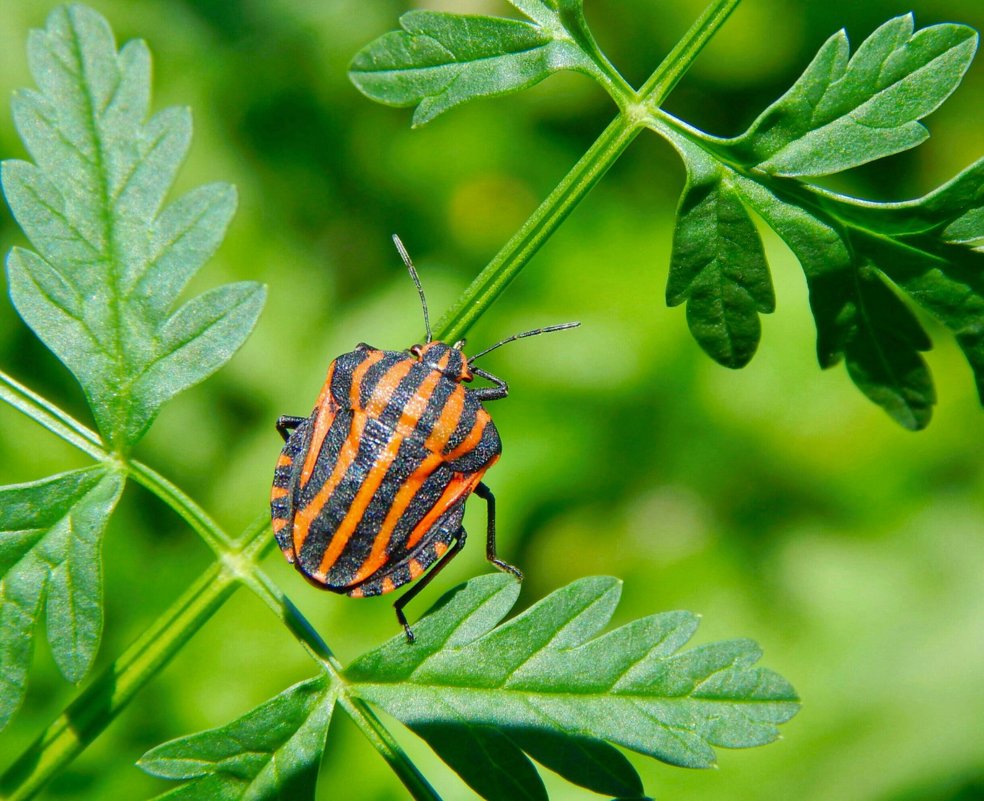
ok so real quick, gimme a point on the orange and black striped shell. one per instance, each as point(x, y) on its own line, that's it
point(370, 489)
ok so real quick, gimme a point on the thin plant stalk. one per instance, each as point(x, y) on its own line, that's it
point(100, 703)
point(588, 171)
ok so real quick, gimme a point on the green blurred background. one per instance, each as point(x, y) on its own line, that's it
point(775, 501)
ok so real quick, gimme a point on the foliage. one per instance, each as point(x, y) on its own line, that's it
point(50, 557)
point(272, 751)
point(843, 111)
point(101, 289)
point(545, 674)
point(482, 694)
point(110, 259)
point(440, 60)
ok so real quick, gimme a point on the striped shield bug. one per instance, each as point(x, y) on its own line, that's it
point(369, 491)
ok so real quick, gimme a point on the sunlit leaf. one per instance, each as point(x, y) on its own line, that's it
point(110, 259)
point(550, 670)
point(50, 541)
point(847, 110)
point(439, 60)
point(271, 752)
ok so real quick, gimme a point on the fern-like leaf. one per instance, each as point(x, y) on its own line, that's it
point(110, 259)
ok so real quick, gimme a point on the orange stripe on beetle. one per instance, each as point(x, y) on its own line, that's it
point(324, 415)
point(408, 421)
point(306, 516)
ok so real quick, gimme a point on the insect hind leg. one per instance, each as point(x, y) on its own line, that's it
point(483, 492)
point(413, 592)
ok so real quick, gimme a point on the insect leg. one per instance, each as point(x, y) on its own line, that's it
point(499, 391)
point(286, 424)
point(413, 592)
point(483, 492)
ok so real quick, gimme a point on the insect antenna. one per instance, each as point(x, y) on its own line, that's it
point(413, 274)
point(533, 333)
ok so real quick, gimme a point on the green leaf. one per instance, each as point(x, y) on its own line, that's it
point(844, 111)
point(111, 259)
point(486, 759)
point(440, 60)
point(271, 752)
point(859, 257)
point(718, 265)
point(491, 761)
point(548, 671)
point(50, 538)
point(931, 248)
point(858, 317)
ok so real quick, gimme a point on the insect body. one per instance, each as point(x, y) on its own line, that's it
point(369, 491)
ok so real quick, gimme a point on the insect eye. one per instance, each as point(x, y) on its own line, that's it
point(416, 350)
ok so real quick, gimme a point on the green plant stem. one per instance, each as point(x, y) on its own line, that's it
point(193, 514)
point(51, 417)
point(380, 739)
point(517, 252)
point(666, 76)
point(99, 704)
point(509, 261)
point(63, 425)
point(104, 699)
point(370, 725)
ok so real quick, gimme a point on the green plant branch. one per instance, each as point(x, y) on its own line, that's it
point(193, 514)
point(95, 708)
point(51, 417)
point(64, 426)
point(363, 717)
point(590, 168)
point(666, 125)
point(102, 701)
point(666, 76)
point(99, 704)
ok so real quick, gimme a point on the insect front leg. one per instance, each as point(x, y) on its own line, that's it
point(483, 492)
point(286, 424)
point(413, 592)
point(499, 391)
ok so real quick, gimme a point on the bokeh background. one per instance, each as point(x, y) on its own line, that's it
point(775, 501)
